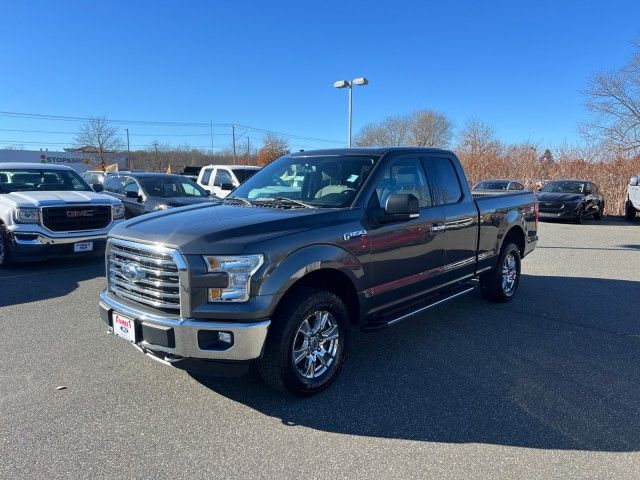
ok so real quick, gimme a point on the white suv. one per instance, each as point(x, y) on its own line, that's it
point(633, 199)
point(221, 179)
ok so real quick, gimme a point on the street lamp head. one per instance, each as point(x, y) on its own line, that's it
point(341, 84)
point(360, 81)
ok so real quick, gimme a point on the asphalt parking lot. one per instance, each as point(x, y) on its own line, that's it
point(546, 386)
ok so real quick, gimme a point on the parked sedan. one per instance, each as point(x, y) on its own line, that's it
point(149, 192)
point(570, 200)
point(499, 184)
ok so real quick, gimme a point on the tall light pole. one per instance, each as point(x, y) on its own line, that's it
point(361, 81)
point(128, 151)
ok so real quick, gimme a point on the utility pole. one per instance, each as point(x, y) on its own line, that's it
point(128, 151)
point(211, 126)
point(233, 133)
point(248, 151)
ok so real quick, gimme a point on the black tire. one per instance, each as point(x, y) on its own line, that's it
point(599, 213)
point(277, 367)
point(5, 250)
point(579, 215)
point(629, 211)
point(491, 283)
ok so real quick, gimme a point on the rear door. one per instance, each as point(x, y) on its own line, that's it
point(406, 256)
point(204, 179)
point(448, 186)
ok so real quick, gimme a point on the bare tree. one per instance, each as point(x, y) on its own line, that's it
point(424, 128)
point(99, 137)
point(272, 148)
point(613, 98)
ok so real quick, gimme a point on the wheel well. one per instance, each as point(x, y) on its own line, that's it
point(515, 235)
point(336, 282)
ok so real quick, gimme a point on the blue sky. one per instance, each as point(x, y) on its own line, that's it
point(519, 66)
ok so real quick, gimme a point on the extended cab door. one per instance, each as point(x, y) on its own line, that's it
point(449, 186)
point(406, 255)
point(204, 179)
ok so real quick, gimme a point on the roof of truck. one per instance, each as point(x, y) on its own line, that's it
point(36, 166)
point(367, 151)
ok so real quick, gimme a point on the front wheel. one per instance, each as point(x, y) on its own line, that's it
point(5, 253)
point(599, 213)
point(501, 283)
point(307, 342)
point(629, 211)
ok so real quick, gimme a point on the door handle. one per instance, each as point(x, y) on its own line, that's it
point(438, 228)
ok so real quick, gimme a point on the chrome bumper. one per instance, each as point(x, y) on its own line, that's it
point(248, 338)
point(26, 234)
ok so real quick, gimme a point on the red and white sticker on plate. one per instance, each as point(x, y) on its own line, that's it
point(124, 327)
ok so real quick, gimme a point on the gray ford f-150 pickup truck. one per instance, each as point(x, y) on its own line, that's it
point(49, 210)
point(315, 243)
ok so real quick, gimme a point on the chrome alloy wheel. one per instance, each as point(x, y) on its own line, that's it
point(315, 344)
point(509, 274)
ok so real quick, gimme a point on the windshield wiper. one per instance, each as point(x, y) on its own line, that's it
point(239, 199)
point(285, 200)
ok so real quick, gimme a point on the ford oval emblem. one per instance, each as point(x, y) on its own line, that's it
point(132, 271)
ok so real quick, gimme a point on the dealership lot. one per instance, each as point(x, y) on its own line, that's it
point(547, 385)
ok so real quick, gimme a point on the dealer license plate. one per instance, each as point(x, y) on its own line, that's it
point(124, 327)
point(83, 247)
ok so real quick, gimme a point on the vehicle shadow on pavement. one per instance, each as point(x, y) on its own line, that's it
point(557, 368)
point(26, 283)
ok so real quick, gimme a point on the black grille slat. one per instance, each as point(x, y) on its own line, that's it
point(76, 218)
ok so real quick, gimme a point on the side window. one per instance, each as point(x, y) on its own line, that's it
point(444, 180)
point(404, 176)
point(131, 186)
point(113, 185)
point(206, 176)
point(222, 176)
point(516, 186)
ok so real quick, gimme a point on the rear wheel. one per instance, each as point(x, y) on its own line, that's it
point(629, 211)
point(307, 342)
point(5, 252)
point(501, 283)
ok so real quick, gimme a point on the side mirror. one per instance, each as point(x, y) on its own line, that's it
point(98, 187)
point(634, 181)
point(399, 207)
point(226, 186)
point(135, 195)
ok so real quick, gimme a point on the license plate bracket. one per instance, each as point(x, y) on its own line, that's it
point(82, 247)
point(124, 327)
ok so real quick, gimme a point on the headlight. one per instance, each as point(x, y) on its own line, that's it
point(240, 269)
point(27, 215)
point(117, 211)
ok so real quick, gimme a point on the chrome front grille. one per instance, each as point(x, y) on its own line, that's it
point(146, 274)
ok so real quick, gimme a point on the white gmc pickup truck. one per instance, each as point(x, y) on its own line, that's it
point(49, 210)
point(632, 204)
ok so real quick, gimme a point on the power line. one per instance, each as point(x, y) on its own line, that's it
point(164, 124)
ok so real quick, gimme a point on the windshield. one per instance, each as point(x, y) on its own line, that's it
point(243, 174)
point(171, 186)
point(319, 181)
point(564, 187)
point(29, 179)
point(497, 185)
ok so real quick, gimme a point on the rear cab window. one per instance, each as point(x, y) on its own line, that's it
point(444, 181)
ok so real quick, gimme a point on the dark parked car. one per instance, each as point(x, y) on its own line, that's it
point(279, 271)
point(149, 192)
point(501, 184)
point(571, 200)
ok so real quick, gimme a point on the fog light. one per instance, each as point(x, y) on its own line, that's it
point(225, 337)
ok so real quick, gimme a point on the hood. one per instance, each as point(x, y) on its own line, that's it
point(182, 201)
point(51, 199)
point(558, 197)
point(220, 229)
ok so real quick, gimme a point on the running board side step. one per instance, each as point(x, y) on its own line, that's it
point(410, 314)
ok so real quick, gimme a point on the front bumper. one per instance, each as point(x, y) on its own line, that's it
point(179, 338)
point(564, 214)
